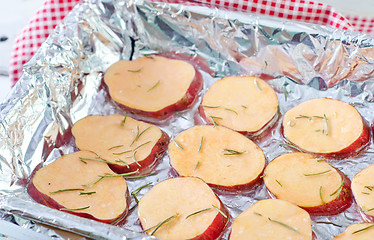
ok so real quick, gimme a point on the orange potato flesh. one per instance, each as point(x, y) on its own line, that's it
point(179, 197)
point(285, 178)
point(358, 231)
point(210, 163)
point(69, 172)
point(362, 188)
point(253, 103)
point(149, 83)
point(108, 137)
point(323, 125)
point(254, 222)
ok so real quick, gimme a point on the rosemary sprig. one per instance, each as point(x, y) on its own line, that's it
point(197, 212)
point(68, 190)
point(135, 71)
point(232, 152)
point(121, 161)
point(331, 223)
point(95, 159)
point(197, 164)
point(154, 86)
point(258, 86)
point(138, 134)
point(118, 146)
point(201, 144)
point(121, 153)
point(141, 145)
point(363, 229)
point(86, 193)
point(139, 177)
point(278, 182)
point(124, 120)
point(120, 174)
point(214, 121)
point(319, 173)
point(135, 193)
point(74, 209)
point(284, 225)
point(341, 185)
point(230, 110)
point(161, 223)
point(177, 144)
point(219, 210)
point(210, 106)
point(320, 194)
point(93, 183)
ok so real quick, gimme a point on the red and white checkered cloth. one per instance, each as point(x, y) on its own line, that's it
point(53, 11)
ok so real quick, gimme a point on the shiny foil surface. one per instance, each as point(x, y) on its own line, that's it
point(63, 83)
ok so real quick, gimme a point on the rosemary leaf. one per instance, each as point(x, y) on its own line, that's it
point(263, 175)
point(118, 146)
point(68, 190)
point(314, 174)
point(320, 195)
point(351, 219)
point(369, 187)
point(177, 144)
point(232, 152)
point(135, 71)
point(197, 212)
point(124, 120)
point(326, 124)
point(341, 185)
point(154, 86)
point(197, 164)
point(201, 144)
point(278, 182)
point(83, 161)
point(121, 161)
point(95, 159)
point(141, 145)
point(74, 209)
point(138, 177)
point(363, 229)
point(284, 225)
point(321, 160)
point(120, 174)
point(256, 213)
point(163, 222)
point(139, 134)
point(120, 153)
point(210, 106)
point(86, 193)
point(331, 223)
point(258, 86)
point(214, 121)
point(371, 209)
point(219, 210)
point(365, 193)
point(230, 110)
point(93, 183)
point(137, 191)
point(243, 106)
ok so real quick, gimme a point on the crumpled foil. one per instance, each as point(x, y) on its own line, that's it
point(62, 84)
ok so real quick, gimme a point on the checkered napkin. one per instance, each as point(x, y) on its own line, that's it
point(53, 11)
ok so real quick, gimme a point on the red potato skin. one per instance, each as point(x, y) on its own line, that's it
point(201, 119)
point(354, 149)
point(186, 102)
point(50, 202)
point(148, 163)
point(336, 206)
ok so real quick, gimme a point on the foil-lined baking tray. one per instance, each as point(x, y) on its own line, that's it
point(63, 83)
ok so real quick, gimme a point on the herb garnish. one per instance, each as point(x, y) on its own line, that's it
point(160, 224)
point(94, 159)
point(93, 183)
point(278, 182)
point(137, 191)
point(139, 134)
point(284, 225)
point(201, 144)
point(136, 161)
point(256, 83)
point(210, 106)
point(256, 213)
point(118, 146)
point(325, 222)
point(371, 209)
point(230, 110)
point(197, 212)
point(365, 193)
point(120, 174)
point(363, 229)
point(141, 145)
point(74, 209)
point(68, 190)
point(230, 152)
point(138, 177)
point(120, 153)
point(320, 194)
point(341, 185)
point(326, 124)
point(121, 161)
point(154, 86)
point(86, 193)
point(369, 187)
point(177, 144)
point(219, 210)
point(197, 164)
point(243, 106)
point(214, 122)
point(124, 120)
point(135, 71)
point(314, 174)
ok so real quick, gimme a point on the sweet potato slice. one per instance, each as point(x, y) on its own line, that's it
point(245, 104)
point(327, 127)
point(272, 219)
point(87, 189)
point(221, 157)
point(153, 86)
point(363, 191)
point(126, 144)
point(357, 231)
point(308, 182)
point(182, 208)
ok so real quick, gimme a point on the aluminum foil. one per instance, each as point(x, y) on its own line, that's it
point(62, 84)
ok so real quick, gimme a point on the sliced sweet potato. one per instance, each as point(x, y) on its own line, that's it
point(153, 86)
point(245, 104)
point(357, 231)
point(126, 144)
point(272, 219)
point(223, 158)
point(308, 182)
point(327, 127)
point(87, 189)
point(182, 208)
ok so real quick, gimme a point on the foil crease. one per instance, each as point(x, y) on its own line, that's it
point(62, 84)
